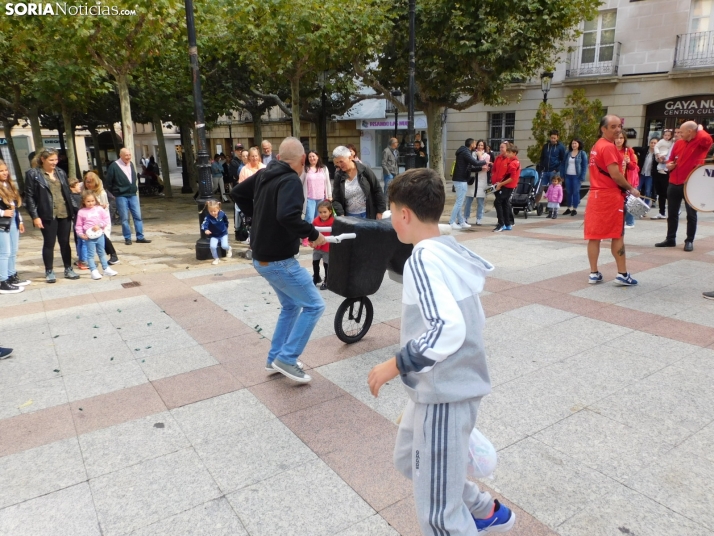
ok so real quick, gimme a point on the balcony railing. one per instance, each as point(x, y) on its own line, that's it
point(602, 60)
point(694, 50)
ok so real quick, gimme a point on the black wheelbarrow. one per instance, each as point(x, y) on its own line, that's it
point(361, 251)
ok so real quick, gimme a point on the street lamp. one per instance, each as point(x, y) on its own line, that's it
point(411, 161)
point(545, 81)
point(205, 184)
point(396, 93)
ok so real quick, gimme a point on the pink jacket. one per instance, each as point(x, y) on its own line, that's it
point(89, 217)
point(554, 193)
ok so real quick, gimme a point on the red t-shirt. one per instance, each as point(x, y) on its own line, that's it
point(688, 155)
point(514, 171)
point(317, 222)
point(602, 155)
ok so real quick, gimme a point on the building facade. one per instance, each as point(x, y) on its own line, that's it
point(648, 61)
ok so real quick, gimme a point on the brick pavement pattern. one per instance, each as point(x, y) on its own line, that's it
point(146, 410)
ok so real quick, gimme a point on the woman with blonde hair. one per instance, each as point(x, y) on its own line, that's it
point(93, 183)
point(49, 202)
point(253, 166)
point(10, 228)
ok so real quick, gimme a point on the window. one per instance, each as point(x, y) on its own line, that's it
point(701, 19)
point(502, 128)
point(598, 40)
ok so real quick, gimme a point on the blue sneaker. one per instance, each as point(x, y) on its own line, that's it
point(595, 278)
point(502, 520)
point(625, 280)
point(508, 228)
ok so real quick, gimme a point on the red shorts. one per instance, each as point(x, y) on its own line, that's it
point(605, 214)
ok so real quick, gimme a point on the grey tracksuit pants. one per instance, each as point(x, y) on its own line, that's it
point(432, 450)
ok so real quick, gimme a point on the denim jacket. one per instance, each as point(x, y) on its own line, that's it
point(581, 165)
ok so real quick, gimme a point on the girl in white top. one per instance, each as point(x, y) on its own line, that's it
point(480, 184)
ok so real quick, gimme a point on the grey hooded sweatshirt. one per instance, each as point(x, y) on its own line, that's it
point(442, 358)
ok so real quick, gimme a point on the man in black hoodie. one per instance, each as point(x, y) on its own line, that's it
point(274, 198)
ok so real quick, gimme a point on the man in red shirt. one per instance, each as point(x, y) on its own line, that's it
point(505, 184)
point(605, 211)
point(687, 153)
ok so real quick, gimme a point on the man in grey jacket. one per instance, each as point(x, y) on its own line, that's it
point(390, 166)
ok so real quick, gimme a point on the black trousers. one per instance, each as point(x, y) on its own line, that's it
point(661, 184)
point(109, 247)
point(504, 212)
point(675, 195)
point(54, 231)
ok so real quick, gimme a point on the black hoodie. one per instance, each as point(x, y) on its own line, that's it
point(465, 164)
point(274, 198)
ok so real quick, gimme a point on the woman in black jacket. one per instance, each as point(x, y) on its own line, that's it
point(356, 190)
point(49, 202)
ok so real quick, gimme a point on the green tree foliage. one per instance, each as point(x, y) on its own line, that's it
point(580, 118)
point(467, 52)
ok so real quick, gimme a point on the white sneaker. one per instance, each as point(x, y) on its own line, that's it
point(110, 272)
point(229, 253)
point(465, 225)
point(455, 226)
point(215, 261)
point(96, 274)
point(630, 226)
point(478, 222)
point(247, 241)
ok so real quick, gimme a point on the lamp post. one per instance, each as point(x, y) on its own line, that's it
point(410, 163)
point(545, 81)
point(396, 93)
point(205, 184)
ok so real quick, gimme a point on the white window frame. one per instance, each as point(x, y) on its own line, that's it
point(600, 48)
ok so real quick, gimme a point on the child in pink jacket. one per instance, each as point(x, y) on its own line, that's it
point(554, 195)
point(92, 219)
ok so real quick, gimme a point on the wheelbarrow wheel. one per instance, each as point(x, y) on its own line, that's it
point(353, 319)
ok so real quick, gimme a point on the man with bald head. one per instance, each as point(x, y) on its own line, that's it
point(605, 214)
point(687, 153)
point(274, 197)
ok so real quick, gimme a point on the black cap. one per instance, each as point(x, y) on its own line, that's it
point(239, 146)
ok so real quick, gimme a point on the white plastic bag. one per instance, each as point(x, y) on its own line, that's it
point(482, 456)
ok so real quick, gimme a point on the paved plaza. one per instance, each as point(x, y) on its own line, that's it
point(140, 405)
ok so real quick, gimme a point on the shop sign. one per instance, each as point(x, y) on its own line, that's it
point(694, 106)
point(388, 124)
point(3, 141)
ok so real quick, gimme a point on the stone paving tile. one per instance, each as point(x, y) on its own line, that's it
point(41, 470)
point(330, 507)
point(374, 526)
point(214, 518)
point(67, 512)
point(103, 380)
point(116, 447)
point(155, 489)
point(28, 364)
point(402, 516)
point(200, 384)
point(18, 434)
point(282, 396)
point(176, 362)
point(30, 397)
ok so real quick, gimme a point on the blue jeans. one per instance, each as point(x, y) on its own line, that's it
point(480, 201)
point(629, 219)
point(357, 215)
point(572, 190)
point(645, 188)
point(311, 209)
point(302, 307)
point(96, 246)
point(124, 206)
point(387, 180)
point(214, 244)
point(81, 249)
point(456, 214)
point(8, 250)
point(468, 201)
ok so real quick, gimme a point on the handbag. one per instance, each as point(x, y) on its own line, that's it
point(5, 223)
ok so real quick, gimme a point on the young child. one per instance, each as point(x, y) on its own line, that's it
point(324, 219)
point(554, 195)
point(93, 183)
point(215, 225)
point(75, 187)
point(442, 363)
point(92, 219)
point(10, 202)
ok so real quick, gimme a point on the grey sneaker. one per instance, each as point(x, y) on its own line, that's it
point(293, 372)
point(69, 273)
point(269, 367)
point(708, 295)
point(50, 276)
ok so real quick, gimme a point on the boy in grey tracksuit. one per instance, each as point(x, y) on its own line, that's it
point(442, 364)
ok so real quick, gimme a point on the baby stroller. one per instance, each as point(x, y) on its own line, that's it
point(523, 198)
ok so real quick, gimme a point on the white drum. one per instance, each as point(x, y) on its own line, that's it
point(636, 206)
point(699, 188)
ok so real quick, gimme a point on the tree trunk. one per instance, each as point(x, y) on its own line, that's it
point(127, 123)
point(71, 160)
point(7, 125)
point(295, 105)
point(97, 158)
point(115, 139)
point(187, 140)
point(76, 153)
point(34, 115)
point(435, 131)
point(257, 127)
point(163, 156)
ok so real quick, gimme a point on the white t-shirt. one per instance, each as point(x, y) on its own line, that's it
point(354, 196)
point(571, 166)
